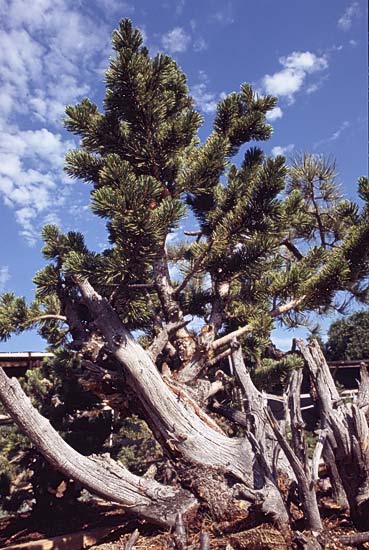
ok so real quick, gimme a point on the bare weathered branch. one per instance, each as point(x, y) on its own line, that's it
point(317, 454)
point(173, 419)
point(292, 248)
point(284, 308)
point(132, 540)
point(348, 433)
point(103, 477)
point(363, 395)
point(230, 413)
point(180, 535)
point(193, 233)
point(355, 538)
point(305, 485)
point(141, 286)
point(297, 424)
point(214, 360)
point(46, 317)
point(161, 340)
point(204, 541)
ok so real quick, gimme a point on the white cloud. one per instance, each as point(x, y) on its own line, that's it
point(45, 64)
point(339, 131)
point(346, 19)
point(278, 150)
point(206, 101)
point(312, 88)
point(353, 43)
point(304, 61)
point(284, 83)
point(49, 56)
point(117, 6)
point(4, 276)
point(274, 114)
point(176, 40)
point(30, 165)
point(296, 67)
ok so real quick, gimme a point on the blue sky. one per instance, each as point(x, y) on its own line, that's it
point(312, 55)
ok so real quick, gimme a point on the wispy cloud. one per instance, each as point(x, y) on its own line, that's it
point(346, 20)
point(4, 276)
point(116, 6)
point(224, 15)
point(296, 67)
point(200, 45)
point(335, 135)
point(180, 7)
point(206, 100)
point(176, 40)
point(274, 114)
point(279, 150)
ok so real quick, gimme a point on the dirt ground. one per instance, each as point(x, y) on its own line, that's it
point(24, 529)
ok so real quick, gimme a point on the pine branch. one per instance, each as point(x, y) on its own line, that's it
point(141, 286)
point(45, 317)
point(292, 248)
point(241, 331)
point(195, 268)
point(193, 233)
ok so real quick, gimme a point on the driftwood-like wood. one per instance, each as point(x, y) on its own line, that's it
point(102, 476)
point(180, 535)
point(70, 541)
point(355, 538)
point(318, 451)
point(173, 419)
point(297, 424)
point(347, 432)
point(204, 541)
point(363, 394)
point(255, 405)
point(260, 422)
point(132, 540)
point(305, 484)
point(338, 491)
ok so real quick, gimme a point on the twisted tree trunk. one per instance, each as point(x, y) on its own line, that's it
point(224, 472)
point(229, 474)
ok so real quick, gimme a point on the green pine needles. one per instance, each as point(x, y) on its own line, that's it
point(280, 239)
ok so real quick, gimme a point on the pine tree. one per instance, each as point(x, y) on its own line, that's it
point(348, 338)
point(267, 242)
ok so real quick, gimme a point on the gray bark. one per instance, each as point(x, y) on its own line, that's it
point(306, 487)
point(260, 419)
point(348, 433)
point(187, 434)
point(102, 476)
point(174, 422)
